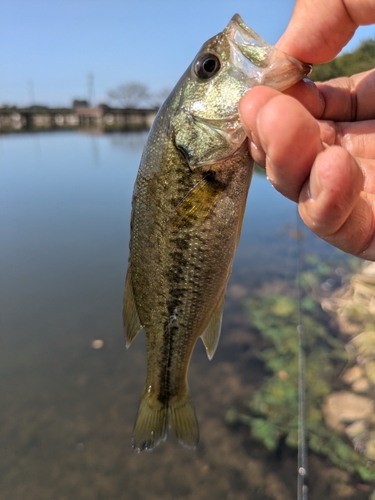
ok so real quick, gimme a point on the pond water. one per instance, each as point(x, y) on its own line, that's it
point(65, 203)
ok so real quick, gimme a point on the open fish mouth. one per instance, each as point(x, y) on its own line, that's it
point(266, 64)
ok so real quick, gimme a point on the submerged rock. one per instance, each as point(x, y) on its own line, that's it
point(353, 305)
point(361, 385)
point(344, 407)
point(352, 374)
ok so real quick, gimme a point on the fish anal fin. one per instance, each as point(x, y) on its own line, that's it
point(197, 204)
point(211, 335)
point(131, 321)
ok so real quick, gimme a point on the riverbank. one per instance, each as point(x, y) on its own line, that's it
point(102, 117)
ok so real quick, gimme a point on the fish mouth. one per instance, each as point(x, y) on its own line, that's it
point(264, 64)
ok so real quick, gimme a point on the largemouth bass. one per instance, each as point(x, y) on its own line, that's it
point(188, 205)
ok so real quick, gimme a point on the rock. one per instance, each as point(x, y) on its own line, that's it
point(356, 429)
point(365, 344)
point(370, 447)
point(361, 385)
point(344, 407)
point(352, 374)
point(369, 269)
point(370, 371)
point(97, 344)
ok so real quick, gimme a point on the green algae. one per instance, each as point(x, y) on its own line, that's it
point(272, 413)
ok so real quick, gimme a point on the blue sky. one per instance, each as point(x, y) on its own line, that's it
point(49, 47)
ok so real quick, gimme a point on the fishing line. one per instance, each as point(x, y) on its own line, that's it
point(302, 465)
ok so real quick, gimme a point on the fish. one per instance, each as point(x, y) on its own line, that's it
point(187, 209)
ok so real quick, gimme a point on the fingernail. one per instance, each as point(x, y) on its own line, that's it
point(314, 186)
point(254, 139)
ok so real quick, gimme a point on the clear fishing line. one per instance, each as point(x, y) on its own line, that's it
point(302, 461)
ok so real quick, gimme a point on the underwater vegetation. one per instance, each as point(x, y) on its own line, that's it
point(272, 413)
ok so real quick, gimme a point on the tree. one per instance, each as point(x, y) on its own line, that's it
point(347, 64)
point(159, 97)
point(130, 95)
point(80, 103)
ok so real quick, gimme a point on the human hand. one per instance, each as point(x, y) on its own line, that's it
point(317, 142)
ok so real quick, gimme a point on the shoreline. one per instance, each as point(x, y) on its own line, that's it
point(100, 118)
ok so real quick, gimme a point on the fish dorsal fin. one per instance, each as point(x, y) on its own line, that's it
point(132, 324)
point(211, 335)
point(197, 204)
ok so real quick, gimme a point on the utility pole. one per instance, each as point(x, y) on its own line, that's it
point(90, 89)
point(31, 92)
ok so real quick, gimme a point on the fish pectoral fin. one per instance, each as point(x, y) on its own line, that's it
point(211, 335)
point(202, 141)
point(131, 321)
point(197, 204)
point(154, 420)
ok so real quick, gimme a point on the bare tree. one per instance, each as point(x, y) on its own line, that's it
point(159, 97)
point(130, 95)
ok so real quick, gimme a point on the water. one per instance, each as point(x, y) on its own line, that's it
point(69, 408)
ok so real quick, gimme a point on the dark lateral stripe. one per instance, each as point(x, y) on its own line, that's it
point(165, 392)
point(176, 277)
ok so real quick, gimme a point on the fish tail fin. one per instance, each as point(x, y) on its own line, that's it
point(183, 421)
point(151, 425)
point(154, 419)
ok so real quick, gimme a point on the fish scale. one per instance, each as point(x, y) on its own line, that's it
point(187, 210)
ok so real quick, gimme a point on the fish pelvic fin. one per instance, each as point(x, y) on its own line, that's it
point(131, 321)
point(154, 420)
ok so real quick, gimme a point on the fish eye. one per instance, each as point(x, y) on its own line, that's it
point(207, 66)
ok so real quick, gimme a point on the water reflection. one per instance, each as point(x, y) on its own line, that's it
point(70, 408)
point(132, 141)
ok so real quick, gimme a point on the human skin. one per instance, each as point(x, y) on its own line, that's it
point(317, 141)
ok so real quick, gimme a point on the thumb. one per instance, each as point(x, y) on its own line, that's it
point(318, 30)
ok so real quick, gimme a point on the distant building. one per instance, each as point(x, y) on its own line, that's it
point(99, 117)
point(105, 116)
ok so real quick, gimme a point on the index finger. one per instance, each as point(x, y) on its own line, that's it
point(344, 99)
